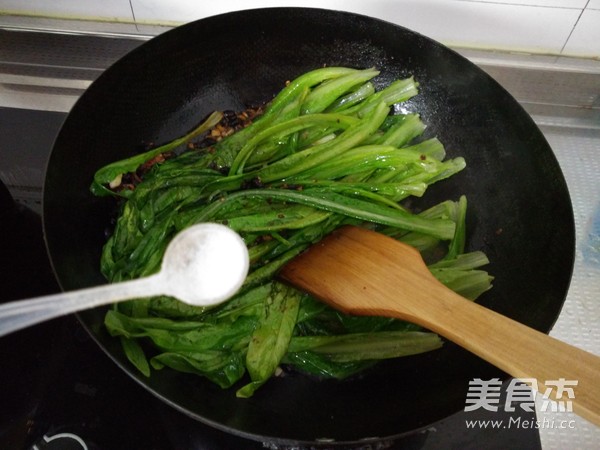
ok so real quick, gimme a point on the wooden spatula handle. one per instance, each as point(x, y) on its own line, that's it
point(365, 273)
point(523, 352)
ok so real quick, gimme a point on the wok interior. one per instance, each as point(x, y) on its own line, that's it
point(519, 210)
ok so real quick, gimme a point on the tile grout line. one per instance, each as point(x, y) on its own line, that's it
point(562, 49)
point(133, 15)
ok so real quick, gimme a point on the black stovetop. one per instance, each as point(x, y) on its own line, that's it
point(58, 388)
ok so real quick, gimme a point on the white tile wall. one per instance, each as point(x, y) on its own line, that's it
point(568, 27)
point(540, 26)
point(593, 4)
point(488, 25)
point(93, 9)
point(548, 3)
point(585, 38)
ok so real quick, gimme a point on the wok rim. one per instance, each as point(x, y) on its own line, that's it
point(215, 424)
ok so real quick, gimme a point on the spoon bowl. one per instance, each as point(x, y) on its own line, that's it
point(205, 264)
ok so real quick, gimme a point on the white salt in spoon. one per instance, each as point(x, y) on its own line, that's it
point(203, 265)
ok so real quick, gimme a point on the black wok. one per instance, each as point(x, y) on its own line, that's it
point(519, 208)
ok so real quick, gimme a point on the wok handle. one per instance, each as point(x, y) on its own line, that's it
point(20, 314)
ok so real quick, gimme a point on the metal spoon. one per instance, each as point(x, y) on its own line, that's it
point(203, 265)
point(362, 272)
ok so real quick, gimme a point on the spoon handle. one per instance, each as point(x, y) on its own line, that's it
point(19, 314)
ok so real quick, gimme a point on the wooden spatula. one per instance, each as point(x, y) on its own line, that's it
point(362, 272)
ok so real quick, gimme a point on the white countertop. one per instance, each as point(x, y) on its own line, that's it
point(578, 152)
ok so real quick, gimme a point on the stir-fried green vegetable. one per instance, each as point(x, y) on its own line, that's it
point(328, 150)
